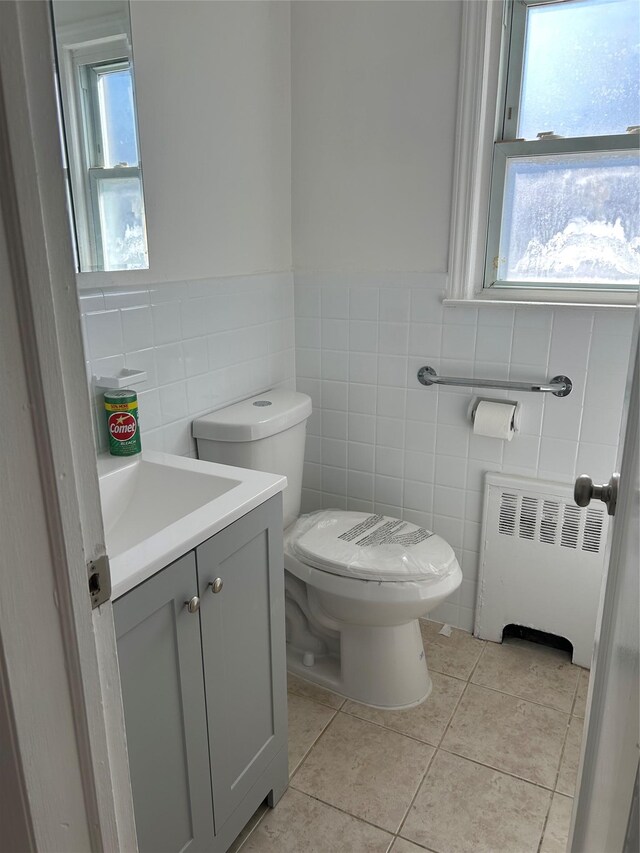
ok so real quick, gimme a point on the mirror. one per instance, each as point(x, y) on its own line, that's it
point(100, 137)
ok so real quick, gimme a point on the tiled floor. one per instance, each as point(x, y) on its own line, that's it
point(487, 763)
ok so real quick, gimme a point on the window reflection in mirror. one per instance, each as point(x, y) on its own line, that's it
point(97, 93)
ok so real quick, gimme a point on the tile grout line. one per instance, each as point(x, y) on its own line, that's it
point(446, 729)
point(318, 701)
point(566, 736)
point(405, 734)
point(498, 770)
point(344, 811)
point(417, 791)
point(521, 698)
point(315, 741)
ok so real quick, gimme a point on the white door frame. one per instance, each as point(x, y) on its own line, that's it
point(61, 712)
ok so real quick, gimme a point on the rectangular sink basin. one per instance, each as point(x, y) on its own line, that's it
point(156, 507)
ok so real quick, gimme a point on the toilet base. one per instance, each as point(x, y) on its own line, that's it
point(384, 667)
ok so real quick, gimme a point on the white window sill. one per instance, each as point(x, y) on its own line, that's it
point(529, 299)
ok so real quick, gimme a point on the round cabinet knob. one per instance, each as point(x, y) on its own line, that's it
point(216, 585)
point(193, 605)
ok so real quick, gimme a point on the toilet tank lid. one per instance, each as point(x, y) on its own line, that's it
point(258, 417)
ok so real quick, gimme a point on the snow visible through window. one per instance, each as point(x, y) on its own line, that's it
point(572, 218)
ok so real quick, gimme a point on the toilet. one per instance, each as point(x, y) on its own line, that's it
point(356, 583)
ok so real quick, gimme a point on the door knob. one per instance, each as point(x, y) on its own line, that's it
point(585, 491)
point(216, 585)
point(193, 605)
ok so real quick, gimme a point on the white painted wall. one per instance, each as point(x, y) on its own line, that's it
point(212, 320)
point(374, 103)
point(214, 108)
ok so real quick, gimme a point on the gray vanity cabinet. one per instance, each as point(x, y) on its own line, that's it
point(204, 692)
point(160, 660)
point(243, 645)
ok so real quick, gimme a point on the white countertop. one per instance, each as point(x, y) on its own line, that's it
point(157, 507)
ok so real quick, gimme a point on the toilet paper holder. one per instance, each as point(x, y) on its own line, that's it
point(515, 418)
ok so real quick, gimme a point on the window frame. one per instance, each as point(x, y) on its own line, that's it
point(87, 76)
point(481, 149)
point(89, 46)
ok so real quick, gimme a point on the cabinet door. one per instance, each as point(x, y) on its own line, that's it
point(243, 640)
point(160, 659)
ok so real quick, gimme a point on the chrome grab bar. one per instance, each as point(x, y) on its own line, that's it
point(559, 386)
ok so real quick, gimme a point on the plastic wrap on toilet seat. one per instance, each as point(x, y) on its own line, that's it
point(370, 547)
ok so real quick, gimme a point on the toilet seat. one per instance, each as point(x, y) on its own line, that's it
point(369, 547)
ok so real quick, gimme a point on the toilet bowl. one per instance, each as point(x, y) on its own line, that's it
point(356, 584)
point(360, 635)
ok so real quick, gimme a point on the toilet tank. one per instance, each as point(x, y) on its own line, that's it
point(266, 433)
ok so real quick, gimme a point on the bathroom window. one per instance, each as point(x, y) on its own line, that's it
point(562, 206)
point(98, 121)
point(565, 200)
point(116, 210)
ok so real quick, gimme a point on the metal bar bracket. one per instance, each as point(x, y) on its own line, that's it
point(559, 386)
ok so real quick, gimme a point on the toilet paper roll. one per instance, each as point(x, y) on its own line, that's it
point(494, 419)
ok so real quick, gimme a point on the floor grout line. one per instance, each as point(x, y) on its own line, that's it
point(562, 751)
point(315, 741)
point(417, 791)
point(344, 811)
point(317, 701)
point(498, 770)
point(521, 698)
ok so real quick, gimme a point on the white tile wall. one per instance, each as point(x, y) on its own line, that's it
point(203, 343)
point(380, 441)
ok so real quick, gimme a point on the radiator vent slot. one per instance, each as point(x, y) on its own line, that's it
point(549, 521)
point(507, 521)
point(553, 522)
point(570, 527)
point(592, 537)
point(528, 517)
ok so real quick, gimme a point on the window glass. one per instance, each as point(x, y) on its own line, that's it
point(117, 118)
point(122, 226)
point(581, 68)
point(572, 218)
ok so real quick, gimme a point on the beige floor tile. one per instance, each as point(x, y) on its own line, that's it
point(401, 845)
point(580, 707)
point(300, 823)
point(365, 770)
point(455, 655)
point(312, 691)
point(556, 832)
point(307, 720)
point(250, 826)
point(570, 758)
point(508, 733)
point(427, 721)
point(529, 670)
point(463, 807)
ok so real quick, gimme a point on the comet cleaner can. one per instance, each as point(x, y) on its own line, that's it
point(122, 422)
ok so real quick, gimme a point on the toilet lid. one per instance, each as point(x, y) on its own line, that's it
point(370, 547)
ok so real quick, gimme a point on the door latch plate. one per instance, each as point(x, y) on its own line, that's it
point(99, 581)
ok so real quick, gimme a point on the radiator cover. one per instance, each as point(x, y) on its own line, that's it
point(542, 561)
